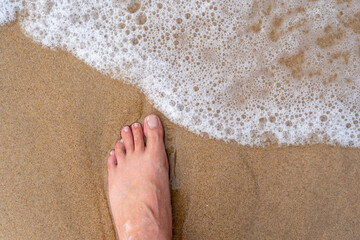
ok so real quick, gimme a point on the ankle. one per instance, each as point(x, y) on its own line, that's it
point(140, 226)
point(139, 230)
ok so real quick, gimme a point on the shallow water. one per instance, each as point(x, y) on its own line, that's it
point(257, 72)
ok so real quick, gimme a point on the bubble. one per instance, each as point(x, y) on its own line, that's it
point(219, 126)
point(133, 6)
point(140, 19)
point(121, 25)
point(134, 41)
point(323, 118)
point(262, 120)
point(272, 119)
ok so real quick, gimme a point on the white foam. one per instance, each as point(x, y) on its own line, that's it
point(200, 63)
point(8, 10)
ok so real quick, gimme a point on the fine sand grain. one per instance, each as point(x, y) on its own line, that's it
point(59, 118)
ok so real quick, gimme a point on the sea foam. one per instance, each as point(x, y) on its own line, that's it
point(8, 10)
point(254, 71)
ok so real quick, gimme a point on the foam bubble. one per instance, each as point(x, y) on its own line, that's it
point(256, 72)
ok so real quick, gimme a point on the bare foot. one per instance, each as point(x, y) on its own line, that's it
point(138, 178)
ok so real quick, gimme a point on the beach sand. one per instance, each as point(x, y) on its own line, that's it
point(59, 119)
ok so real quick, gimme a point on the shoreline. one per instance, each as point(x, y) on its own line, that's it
point(60, 117)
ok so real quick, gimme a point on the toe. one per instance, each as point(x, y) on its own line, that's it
point(154, 133)
point(120, 150)
point(111, 162)
point(138, 137)
point(126, 134)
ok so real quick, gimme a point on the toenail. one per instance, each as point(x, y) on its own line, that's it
point(120, 141)
point(136, 125)
point(152, 121)
point(126, 129)
point(111, 152)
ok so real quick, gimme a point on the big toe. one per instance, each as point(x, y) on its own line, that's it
point(154, 133)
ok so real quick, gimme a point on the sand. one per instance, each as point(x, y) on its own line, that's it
point(59, 119)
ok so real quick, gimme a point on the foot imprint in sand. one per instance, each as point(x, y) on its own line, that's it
point(138, 183)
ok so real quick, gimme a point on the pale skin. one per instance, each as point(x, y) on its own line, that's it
point(138, 183)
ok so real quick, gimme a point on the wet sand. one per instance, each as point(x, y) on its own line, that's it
point(59, 119)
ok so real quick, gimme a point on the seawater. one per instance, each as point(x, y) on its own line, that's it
point(254, 71)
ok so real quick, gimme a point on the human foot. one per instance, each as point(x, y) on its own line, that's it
point(138, 182)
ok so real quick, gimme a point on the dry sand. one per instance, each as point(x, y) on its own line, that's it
point(59, 119)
